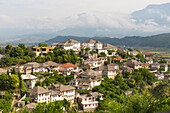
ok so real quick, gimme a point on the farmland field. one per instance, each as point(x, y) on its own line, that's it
point(165, 54)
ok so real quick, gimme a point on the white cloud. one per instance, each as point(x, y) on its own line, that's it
point(60, 14)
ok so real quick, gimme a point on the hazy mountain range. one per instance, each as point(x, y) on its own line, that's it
point(161, 41)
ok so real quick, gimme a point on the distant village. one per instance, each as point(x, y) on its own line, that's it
point(96, 61)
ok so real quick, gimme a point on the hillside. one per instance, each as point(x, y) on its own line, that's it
point(161, 41)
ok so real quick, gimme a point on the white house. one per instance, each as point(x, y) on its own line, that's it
point(67, 45)
point(134, 64)
point(110, 70)
point(88, 80)
point(92, 44)
point(156, 65)
point(55, 96)
point(87, 102)
point(66, 91)
point(39, 94)
point(110, 47)
point(29, 80)
point(149, 60)
point(67, 68)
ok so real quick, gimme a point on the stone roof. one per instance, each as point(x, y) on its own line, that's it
point(28, 77)
point(54, 44)
point(71, 41)
point(90, 73)
point(87, 80)
point(92, 41)
point(134, 62)
point(61, 87)
point(163, 64)
point(54, 93)
point(110, 67)
point(30, 106)
point(155, 63)
point(50, 63)
point(38, 90)
point(109, 46)
point(32, 64)
point(96, 94)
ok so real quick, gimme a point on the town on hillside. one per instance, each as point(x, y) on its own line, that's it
point(82, 77)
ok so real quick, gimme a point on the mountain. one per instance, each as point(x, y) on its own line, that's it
point(161, 41)
point(157, 14)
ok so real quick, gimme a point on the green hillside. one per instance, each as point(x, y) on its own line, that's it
point(156, 41)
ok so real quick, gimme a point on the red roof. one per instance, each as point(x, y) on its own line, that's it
point(144, 64)
point(148, 53)
point(119, 59)
point(68, 65)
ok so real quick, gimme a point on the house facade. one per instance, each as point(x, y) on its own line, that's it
point(29, 80)
point(92, 44)
point(88, 102)
point(42, 50)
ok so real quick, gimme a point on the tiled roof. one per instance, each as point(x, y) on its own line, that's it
point(119, 59)
point(38, 90)
point(96, 94)
point(92, 41)
point(50, 63)
point(71, 41)
point(145, 64)
point(28, 77)
point(60, 87)
point(68, 65)
point(33, 64)
point(90, 73)
point(108, 46)
point(148, 53)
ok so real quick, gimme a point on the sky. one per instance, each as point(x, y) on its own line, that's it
point(31, 16)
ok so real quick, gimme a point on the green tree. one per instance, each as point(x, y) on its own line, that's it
point(8, 49)
point(16, 51)
point(87, 49)
point(42, 45)
point(22, 46)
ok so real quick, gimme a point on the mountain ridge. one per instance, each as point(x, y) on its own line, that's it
point(155, 41)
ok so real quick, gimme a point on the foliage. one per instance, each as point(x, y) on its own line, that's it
point(8, 81)
point(53, 107)
point(42, 45)
point(26, 99)
point(16, 51)
point(87, 49)
point(5, 104)
point(102, 54)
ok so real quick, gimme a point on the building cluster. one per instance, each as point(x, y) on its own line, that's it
point(86, 77)
point(77, 46)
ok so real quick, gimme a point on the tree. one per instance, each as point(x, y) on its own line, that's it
point(102, 54)
point(8, 49)
point(38, 83)
point(14, 81)
point(22, 46)
point(13, 71)
point(87, 49)
point(42, 45)
point(16, 51)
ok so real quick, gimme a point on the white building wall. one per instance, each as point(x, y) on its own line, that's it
point(56, 98)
